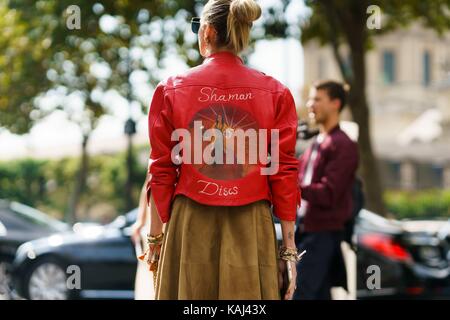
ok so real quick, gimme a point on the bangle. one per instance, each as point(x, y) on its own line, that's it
point(155, 239)
point(289, 254)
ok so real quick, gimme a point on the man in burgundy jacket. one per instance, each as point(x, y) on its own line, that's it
point(326, 176)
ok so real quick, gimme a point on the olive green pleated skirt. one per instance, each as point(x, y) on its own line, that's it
point(218, 252)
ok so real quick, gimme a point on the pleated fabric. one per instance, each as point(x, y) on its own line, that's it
point(218, 252)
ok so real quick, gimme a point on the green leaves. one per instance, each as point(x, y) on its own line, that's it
point(418, 205)
point(36, 47)
point(342, 15)
point(20, 57)
point(45, 183)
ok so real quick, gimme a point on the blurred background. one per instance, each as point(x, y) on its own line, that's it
point(76, 81)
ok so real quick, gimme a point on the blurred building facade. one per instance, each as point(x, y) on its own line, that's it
point(408, 87)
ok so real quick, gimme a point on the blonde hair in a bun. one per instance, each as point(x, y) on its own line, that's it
point(232, 20)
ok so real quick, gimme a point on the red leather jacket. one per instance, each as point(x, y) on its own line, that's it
point(224, 95)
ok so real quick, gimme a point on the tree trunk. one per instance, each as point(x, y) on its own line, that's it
point(368, 164)
point(361, 115)
point(130, 204)
point(80, 183)
point(352, 25)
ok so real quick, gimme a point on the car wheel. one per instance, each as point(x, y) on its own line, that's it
point(5, 281)
point(46, 280)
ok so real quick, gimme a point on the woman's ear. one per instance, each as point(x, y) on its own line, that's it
point(209, 34)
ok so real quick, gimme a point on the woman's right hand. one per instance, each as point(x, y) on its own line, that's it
point(154, 252)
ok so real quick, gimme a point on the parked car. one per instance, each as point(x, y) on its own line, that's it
point(103, 258)
point(18, 224)
point(412, 257)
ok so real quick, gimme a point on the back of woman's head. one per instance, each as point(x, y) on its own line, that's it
point(232, 19)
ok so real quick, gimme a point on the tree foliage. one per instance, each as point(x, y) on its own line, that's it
point(343, 24)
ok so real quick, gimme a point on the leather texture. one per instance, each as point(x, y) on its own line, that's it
point(223, 94)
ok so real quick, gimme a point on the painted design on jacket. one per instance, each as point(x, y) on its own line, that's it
point(226, 119)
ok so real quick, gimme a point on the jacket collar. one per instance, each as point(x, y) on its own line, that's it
point(334, 130)
point(223, 57)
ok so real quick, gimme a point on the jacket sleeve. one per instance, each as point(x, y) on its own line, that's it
point(338, 175)
point(161, 170)
point(283, 184)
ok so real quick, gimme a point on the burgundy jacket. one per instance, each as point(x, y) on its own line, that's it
point(329, 195)
point(222, 95)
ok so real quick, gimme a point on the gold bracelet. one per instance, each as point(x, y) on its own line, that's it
point(290, 258)
point(155, 239)
point(288, 251)
point(289, 254)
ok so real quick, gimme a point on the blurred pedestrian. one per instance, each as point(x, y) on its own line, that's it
point(326, 177)
point(144, 286)
point(218, 239)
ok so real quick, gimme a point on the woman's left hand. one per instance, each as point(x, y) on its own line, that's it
point(293, 285)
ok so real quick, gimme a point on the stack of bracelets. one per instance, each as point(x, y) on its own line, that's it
point(289, 254)
point(153, 257)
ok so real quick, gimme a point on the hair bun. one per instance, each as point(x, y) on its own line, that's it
point(245, 11)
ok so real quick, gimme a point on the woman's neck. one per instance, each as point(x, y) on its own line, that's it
point(217, 50)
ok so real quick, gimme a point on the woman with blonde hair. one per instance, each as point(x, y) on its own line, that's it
point(212, 233)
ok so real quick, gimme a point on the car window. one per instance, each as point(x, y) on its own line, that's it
point(131, 217)
point(125, 220)
point(18, 216)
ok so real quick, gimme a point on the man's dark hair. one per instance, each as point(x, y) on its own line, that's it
point(335, 90)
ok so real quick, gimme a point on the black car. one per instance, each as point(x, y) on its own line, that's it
point(399, 259)
point(411, 257)
point(18, 224)
point(96, 262)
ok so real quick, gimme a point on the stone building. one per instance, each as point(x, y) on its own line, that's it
point(408, 87)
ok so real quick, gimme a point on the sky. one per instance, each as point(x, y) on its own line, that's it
point(55, 136)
